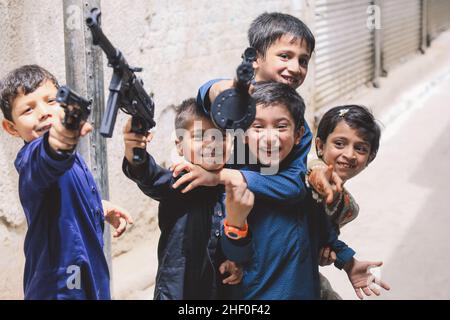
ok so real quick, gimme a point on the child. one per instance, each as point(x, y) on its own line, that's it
point(347, 140)
point(189, 251)
point(64, 241)
point(284, 47)
point(287, 238)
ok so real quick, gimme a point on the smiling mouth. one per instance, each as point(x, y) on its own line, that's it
point(291, 80)
point(269, 152)
point(346, 165)
point(43, 129)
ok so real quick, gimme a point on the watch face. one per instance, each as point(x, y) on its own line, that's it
point(232, 235)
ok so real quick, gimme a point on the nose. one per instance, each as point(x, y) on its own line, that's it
point(294, 66)
point(350, 154)
point(269, 138)
point(42, 111)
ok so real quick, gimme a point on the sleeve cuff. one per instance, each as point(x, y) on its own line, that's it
point(135, 173)
point(55, 160)
point(343, 257)
point(239, 251)
point(251, 178)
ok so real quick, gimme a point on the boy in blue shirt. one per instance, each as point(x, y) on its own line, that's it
point(284, 46)
point(286, 237)
point(64, 242)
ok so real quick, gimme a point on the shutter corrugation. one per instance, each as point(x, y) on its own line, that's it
point(438, 17)
point(401, 29)
point(344, 48)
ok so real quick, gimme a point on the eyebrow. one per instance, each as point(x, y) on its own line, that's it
point(345, 138)
point(303, 55)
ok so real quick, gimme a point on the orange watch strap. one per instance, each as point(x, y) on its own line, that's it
point(233, 232)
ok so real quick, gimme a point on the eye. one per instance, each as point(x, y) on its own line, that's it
point(284, 56)
point(282, 126)
point(304, 62)
point(28, 110)
point(362, 149)
point(51, 100)
point(339, 144)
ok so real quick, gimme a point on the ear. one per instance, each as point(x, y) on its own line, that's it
point(319, 147)
point(257, 62)
point(10, 127)
point(298, 135)
point(179, 146)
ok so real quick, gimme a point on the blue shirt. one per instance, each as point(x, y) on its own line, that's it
point(288, 184)
point(286, 240)
point(64, 242)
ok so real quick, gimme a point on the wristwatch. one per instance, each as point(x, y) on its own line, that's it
point(233, 232)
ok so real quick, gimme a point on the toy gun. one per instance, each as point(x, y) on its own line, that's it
point(126, 91)
point(234, 108)
point(76, 108)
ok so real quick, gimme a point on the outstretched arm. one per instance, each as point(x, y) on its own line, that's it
point(39, 164)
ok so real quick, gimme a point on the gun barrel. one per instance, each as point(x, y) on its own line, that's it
point(98, 37)
point(66, 96)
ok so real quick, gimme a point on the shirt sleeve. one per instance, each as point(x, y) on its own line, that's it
point(288, 184)
point(203, 97)
point(349, 212)
point(152, 179)
point(38, 168)
point(343, 252)
point(240, 251)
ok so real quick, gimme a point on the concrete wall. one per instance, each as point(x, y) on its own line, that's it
point(180, 44)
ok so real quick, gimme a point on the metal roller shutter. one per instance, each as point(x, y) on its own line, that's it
point(438, 17)
point(344, 48)
point(401, 29)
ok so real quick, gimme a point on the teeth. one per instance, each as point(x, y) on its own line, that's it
point(42, 129)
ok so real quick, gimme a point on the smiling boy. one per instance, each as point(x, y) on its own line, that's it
point(64, 241)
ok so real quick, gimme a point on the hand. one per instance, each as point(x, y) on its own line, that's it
point(326, 256)
point(134, 140)
point(239, 202)
point(326, 182)
point(117, 217)
point(61, 138)
point(362, 280)
point(196, 176)
point(235, 271)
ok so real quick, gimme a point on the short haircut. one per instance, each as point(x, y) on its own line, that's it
point(269, 93)
point(269, 27)
point(358, 118)
point(22, 80)
point(187, 112)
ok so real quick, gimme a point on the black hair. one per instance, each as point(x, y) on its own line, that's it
point(357, 117)
point(187, 112)
point(22, 80)
point(269, 93)
point(269, 27)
